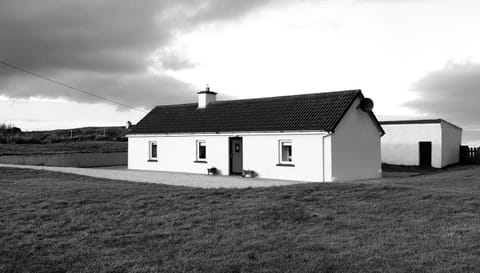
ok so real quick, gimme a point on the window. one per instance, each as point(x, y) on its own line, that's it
point(152, 150)
point(201, 150)
point(285, 152)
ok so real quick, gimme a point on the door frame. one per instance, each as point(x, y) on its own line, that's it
point(420, 144)
point(230, 154)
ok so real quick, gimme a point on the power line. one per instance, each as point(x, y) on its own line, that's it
point(69, 86)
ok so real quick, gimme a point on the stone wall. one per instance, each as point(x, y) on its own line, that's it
point(68, 159)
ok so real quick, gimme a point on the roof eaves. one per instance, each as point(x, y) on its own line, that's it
point(230, 132)
point(377, 123)
point(418, 121)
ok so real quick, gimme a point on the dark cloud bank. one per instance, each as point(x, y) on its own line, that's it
point(452, 93)
point(103, 45)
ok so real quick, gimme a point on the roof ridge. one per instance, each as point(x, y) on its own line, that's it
point(266, 98)
point(291, 96)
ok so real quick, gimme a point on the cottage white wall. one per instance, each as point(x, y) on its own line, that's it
point(356, 152)
point(327, 158)
point(178, 153)
point(261, 154)
point(400, 143)
point(451, 141)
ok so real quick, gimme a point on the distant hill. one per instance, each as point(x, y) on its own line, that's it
point(111, 131)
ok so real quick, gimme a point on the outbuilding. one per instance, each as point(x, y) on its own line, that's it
point(318, 137)
point(428, 142)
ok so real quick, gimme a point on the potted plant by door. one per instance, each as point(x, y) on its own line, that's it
point(249, 173)
point(212, 171)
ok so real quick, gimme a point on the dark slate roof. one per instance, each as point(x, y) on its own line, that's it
point(418, 121)
point(320, 111)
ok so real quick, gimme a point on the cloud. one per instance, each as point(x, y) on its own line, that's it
point(471, 138)
point(104, 45)
point(143, 89)
point(390, 1)
point(170, 59)
point(224, 10)
point(452, 93)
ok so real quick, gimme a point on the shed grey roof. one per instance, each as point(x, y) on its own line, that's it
point(418, 121)
point(319, 111)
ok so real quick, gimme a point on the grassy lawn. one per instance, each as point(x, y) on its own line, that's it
point(53, 222)
point(64, 147)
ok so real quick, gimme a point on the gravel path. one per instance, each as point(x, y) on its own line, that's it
point(170, 178)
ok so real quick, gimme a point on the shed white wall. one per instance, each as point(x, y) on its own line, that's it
point(451, 141)
point(356, 147)
point(400, 143)
point(260, 153)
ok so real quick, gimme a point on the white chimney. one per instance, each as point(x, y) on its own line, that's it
point(128, 125)
point(206, 97)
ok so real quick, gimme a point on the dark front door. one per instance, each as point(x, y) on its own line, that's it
point(425, 148)
point(236, 155)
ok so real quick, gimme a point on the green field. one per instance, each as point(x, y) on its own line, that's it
point(53, 222)
point(64, 147)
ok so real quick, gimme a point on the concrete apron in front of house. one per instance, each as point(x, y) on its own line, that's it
point(168, 178)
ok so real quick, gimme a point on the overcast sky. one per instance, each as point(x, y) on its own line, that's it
point(415, 59)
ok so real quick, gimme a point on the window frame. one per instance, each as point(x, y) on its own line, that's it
point(282, 143)
point(150, 154)
point(198, 144)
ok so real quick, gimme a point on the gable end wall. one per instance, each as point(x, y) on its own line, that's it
point(356, 147)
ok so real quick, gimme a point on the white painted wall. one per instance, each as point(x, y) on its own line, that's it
point(178, 153)
point(451, 141)
point(260, 153)
point(356, 144)
point(327, 157)
point(400, 143)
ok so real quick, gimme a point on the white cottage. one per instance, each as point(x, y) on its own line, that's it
point(430, 143)
point(313, 137)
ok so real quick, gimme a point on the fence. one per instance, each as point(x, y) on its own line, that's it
point(469, 155)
